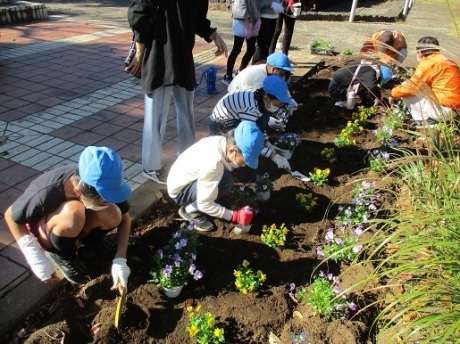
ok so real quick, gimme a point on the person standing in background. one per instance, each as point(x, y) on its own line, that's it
point(289, 19)
point(269, 10)
point(246, 24)
point(164, 32)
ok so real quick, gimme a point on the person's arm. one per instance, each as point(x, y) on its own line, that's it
point(120, 270)
point(414, 85)
point(40, 265)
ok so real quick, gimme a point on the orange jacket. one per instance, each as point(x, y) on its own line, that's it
point(437, 73)
point(399, 42)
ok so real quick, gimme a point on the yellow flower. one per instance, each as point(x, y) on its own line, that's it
point(211, 322)
point(238, 284)
point(190, 309)
point(193, 331)
point(327, 171)
point(251, 288)
point(245, 263)
point(244, 291)
point(236, 273)
point(197, 308)
point(218, 332)
point(261, 275)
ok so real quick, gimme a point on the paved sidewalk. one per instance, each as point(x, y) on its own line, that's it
point(62, 88)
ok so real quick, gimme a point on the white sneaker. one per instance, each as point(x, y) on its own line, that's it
point(154, 175)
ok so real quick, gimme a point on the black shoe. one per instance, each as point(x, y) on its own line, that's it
point(198, 219)
point(227, 79)
point(73, 269)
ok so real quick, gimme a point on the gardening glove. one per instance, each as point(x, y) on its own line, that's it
point(277, 8)
point(247, 32)
point(120, 272)
point(243, 216)
point(35, 255)
point(276, 124)
point(281, 162)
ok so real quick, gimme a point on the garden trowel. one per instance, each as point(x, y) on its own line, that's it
point(298, 175)
point(120, 305)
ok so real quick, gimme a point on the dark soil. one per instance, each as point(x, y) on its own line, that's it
point(85, 315)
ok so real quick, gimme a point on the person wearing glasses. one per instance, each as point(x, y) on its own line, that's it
point(76, 202)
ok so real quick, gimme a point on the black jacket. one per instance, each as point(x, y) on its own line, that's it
point(168, 28)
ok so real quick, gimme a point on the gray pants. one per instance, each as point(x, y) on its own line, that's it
point(156, 106)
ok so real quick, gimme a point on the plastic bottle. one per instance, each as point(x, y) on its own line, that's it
point(351, 100)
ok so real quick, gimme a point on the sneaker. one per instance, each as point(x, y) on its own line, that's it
point(227, 79)
point(73, 269)
point(198, 219)
point(154, 175)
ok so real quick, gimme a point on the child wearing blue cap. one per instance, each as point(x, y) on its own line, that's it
point(255, 106)
point(253, 78)
point(201, 175)
point(70, 203)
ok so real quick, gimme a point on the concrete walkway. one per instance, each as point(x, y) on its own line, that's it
point(62, 88)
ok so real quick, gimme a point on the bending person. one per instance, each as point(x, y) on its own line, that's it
point(255, 106)
point(70, 203)
point(202, 175)
point(433, 92)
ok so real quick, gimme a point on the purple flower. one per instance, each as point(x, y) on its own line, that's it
point(352, 306)
point(358, 230)
point(177, 260)
point(177, 234)
point(291, 290)
point(322, 274)
point(160, 253)
point(336, 289)
point(320, 253)
point(192, 268)
point(329, 235)
point(181, 243)
point(339, 241)
point(357, 248)
point(197, 275)
point(167, 271)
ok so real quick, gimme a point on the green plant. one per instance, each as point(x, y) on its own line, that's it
point(306, 201)
point(363, 206)
point(415, 251)
point(202, 326)
point(362, 114)
point(318, 176)
point(288, 141)
point(321, 44)
point(247, 280)
point(378, 160)
point(263, 183)
point(273, 236)
point(328, 155)
point(346, 52)
point(175, 263)
point(325, 297)
point(383, 133)
point(341, 244)
point(242, 196)
point(343, 141)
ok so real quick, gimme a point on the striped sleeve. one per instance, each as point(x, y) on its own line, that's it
point(238, 105)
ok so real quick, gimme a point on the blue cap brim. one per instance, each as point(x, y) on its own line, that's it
point(251, 162)
point(116, 196)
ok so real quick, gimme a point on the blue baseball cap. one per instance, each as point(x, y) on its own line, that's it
point(275, 86)
point(101, 168)
point(279, 60)
point(250, 140)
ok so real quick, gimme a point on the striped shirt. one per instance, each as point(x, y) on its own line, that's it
point(237, 106)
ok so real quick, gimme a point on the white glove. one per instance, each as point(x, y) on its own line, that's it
point(281, 162)
point(35, 255)
point(277, 8)
point(270, 145)
point(120, 272)
point(276, 124)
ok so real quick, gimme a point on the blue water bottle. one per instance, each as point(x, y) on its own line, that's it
point(211, 74)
